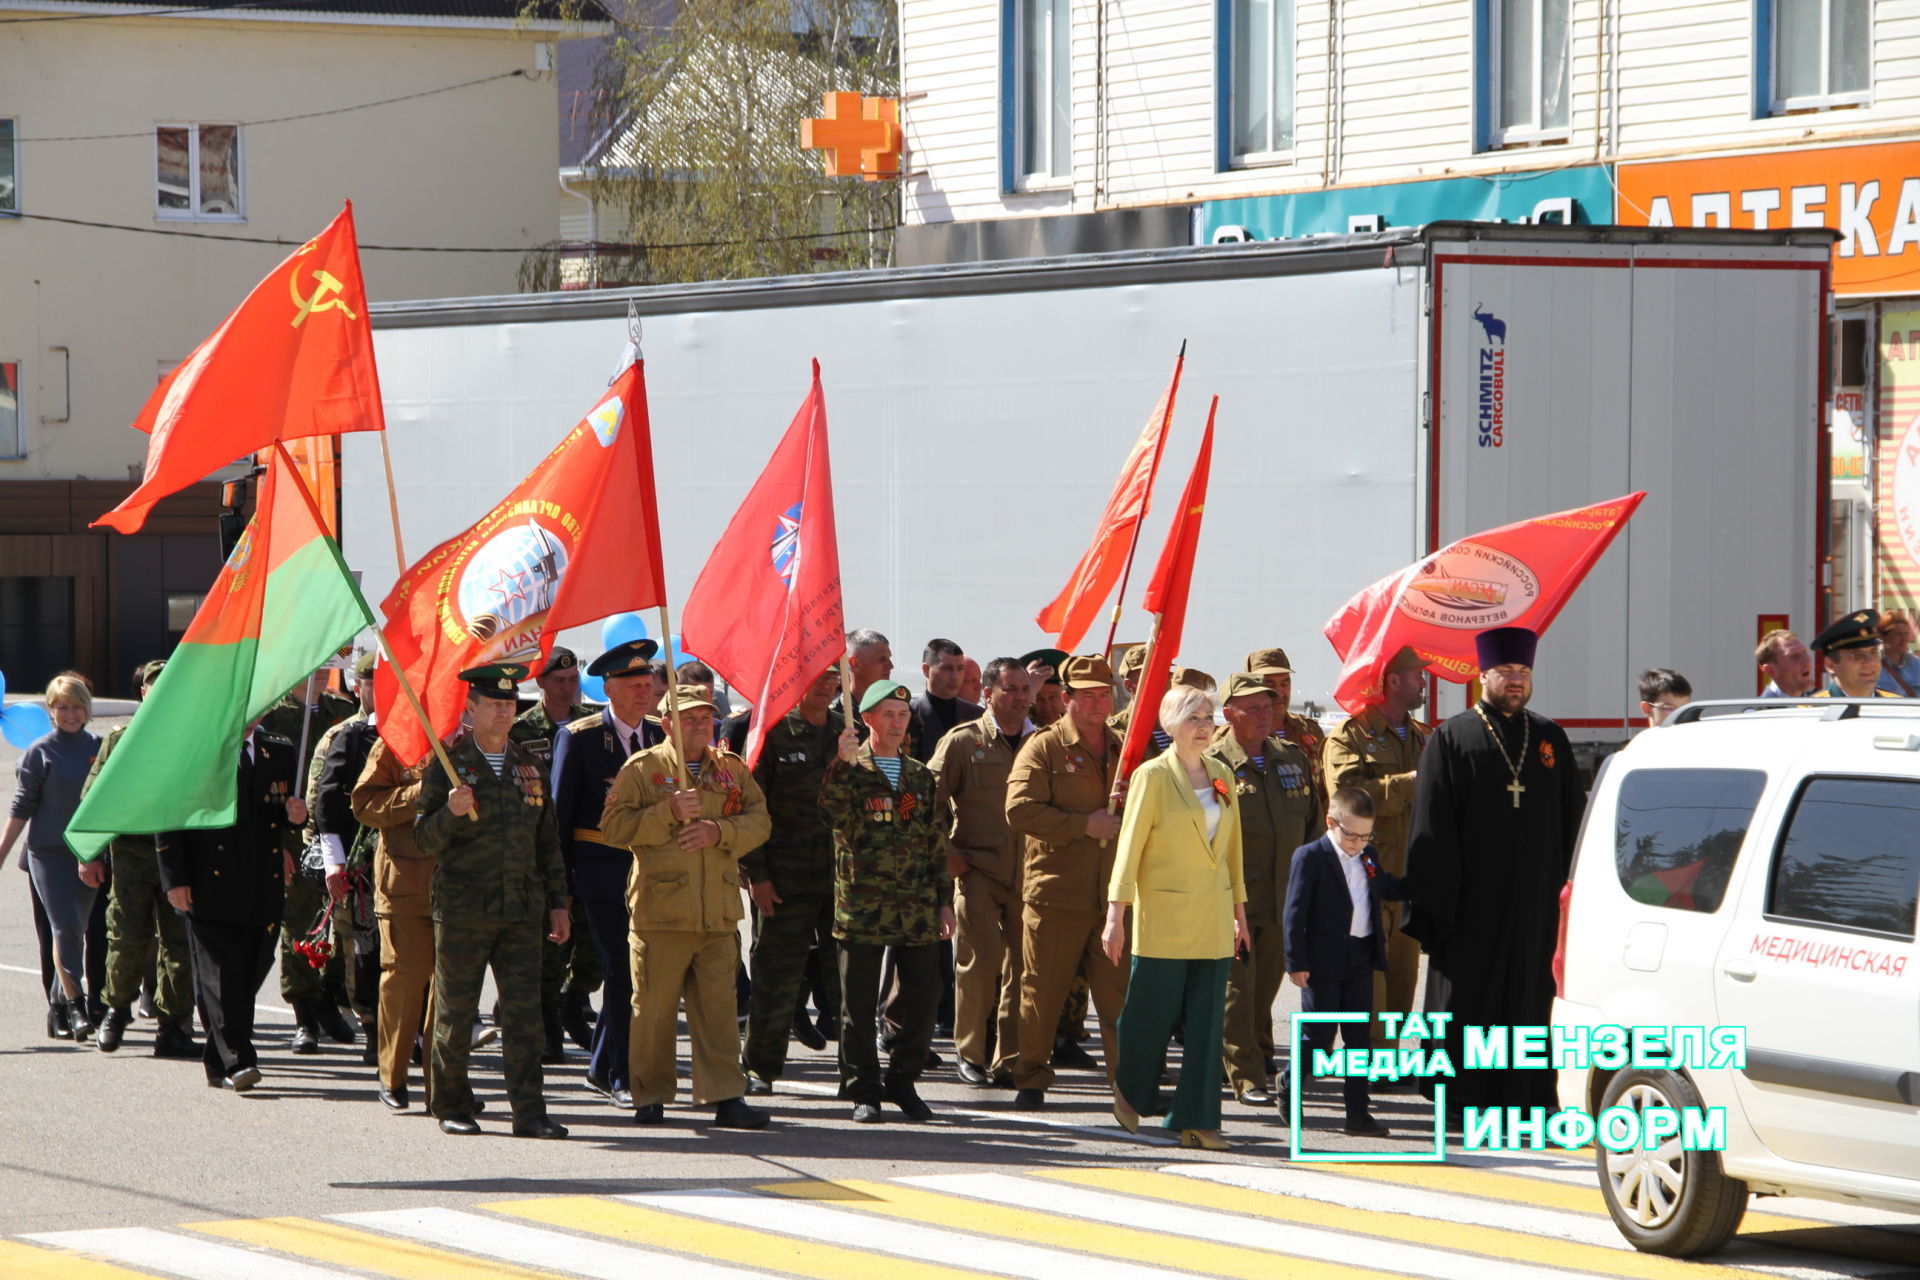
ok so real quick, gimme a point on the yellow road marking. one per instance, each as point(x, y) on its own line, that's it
point(723, 1241)
point(364, 1250)
point(30, 1262)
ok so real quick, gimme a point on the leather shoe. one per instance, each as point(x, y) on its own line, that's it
point(1365, 1126)
point(807, 1034)
point(78, 1023)
point(338, 1029)
point(1256, 1098)
point(1070, 1055)
point(114, 1029)
point(172, 1041)
point(394, 1099)
point(734, 1113)
point(243, 1079)
point(911, 1104)
point(57, 1023)
point(652, 1113)
point(598, 1085)
point(757, 1087)
point(539, 1127)
point(867, 1113)
point(621, 1098)
point(1003, 1079)
point(1029, 1099)
point(970, 1074)
point(460, 1125)
point(304, 1040)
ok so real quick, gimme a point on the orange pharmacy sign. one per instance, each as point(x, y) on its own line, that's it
point(1869, 194)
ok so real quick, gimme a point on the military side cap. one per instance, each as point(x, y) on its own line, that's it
point(150, 670)
point(1408, 659)
point(560, 658)
point(1269, 662)
point(1506, 646)
point(496, 680)
point(881, 691)
point(1242, 683)
point(1051, 657)
point(629, 659)
point(687, 696)
point(1133, 659)
point(1194, 678)
point(363, 669)
point(1086, 671)
point(1855, 631)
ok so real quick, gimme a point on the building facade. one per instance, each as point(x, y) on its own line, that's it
point(153, 167)
point(1269, 119)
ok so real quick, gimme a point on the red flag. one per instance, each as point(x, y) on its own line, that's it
point(1518, 575)
point(1167, 597)
point(295, 359)
point(1078, 604)
point(765, 612)
point(579, 539)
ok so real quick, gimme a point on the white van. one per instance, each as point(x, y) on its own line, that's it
point(1756, 865)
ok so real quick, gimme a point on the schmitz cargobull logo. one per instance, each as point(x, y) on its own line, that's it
point(1491, 358)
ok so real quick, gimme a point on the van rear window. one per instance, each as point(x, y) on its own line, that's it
point(1851, 857)
point(1677, 833)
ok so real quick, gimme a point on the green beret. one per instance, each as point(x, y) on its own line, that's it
point(881, 691)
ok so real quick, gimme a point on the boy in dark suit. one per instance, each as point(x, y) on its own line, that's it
point(1333, 937)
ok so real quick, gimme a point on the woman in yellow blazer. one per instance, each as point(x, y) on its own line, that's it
point(1178, 867)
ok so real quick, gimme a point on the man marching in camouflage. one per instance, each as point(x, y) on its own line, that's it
point(791, 880)
point(498, 875)
point(138, 915)
point(891, 888)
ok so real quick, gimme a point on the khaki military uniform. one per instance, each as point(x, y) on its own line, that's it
point(971, 767)
point(1365, 752)
point(1279, 812)
point(1055, 783)
point(685, 907)
point(890, 880)
point(139, 918)
point(385, 799)
point(1311, 739)
point(494, 884)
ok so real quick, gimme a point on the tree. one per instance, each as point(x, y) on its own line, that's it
point(701, 154)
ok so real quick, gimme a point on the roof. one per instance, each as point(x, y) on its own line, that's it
point(489, 13)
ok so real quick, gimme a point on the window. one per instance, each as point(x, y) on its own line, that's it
point(1525, 71)
point(9, 167)
point(1042, 92)
point(1258, 35)
point(1849, 859)
point(1678, 832)
point(1820, 55)
point(198, 175)
point(180, 612)
point(12, 443)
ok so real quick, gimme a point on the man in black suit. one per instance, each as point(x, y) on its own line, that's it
point(1334, 941)
point(940, 708)
point(231, 882)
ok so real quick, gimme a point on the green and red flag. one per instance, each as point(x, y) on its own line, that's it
point(282, 605)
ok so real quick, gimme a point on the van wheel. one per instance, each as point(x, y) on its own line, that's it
point(1668, 1201)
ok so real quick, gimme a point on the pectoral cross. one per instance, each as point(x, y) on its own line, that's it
point(1516, 789)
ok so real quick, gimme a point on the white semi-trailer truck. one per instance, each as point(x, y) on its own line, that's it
point(1380, 396)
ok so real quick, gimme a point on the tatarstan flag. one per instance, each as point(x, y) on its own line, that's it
point(282, 605)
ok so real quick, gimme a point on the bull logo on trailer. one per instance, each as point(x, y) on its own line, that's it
point(508, 586)
point(1470, 588)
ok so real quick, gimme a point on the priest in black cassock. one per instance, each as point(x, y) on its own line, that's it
point(1496, 811)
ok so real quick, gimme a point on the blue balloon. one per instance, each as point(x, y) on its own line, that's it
point(621, 628)
point(24, 724)
point(593, 689)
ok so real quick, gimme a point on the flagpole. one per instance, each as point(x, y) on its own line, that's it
point(673, 700)
point(393, 502)
point(1126, 570)
point(1119, 783)
point(846, 690)
point(306, 725)
point(413, 700)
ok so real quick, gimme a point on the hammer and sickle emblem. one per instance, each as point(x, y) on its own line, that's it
point(327, 295)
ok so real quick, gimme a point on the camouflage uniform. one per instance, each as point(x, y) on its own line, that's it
point(306, 897)
point(572, 967)
point(493, 885)
point(798, 860)
point(138, 915)
point(890, 880)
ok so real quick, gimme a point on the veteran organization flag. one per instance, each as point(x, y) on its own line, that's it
point(295, 359)
point(1519, 575)
point(576, 541)
point(765, 612)
point(283, 604)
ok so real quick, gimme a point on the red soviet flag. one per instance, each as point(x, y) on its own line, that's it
point(1073, 611)
point(1167, 597)
point(765, 612)
point(579, 539)
point(1519, 575)
point(295, 359)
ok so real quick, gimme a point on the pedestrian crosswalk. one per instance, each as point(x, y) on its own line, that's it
point(1512, 1219)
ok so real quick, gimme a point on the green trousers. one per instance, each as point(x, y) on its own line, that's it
point(1163, 994)
point(462, 954)
point(569, 968)
point(780, 945)
point(138, 913)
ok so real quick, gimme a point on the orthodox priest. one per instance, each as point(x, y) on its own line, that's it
point(1496, 810)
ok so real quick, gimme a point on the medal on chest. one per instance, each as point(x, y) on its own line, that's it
point(531, 788)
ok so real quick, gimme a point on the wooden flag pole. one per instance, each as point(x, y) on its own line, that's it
point(1153, 651)
point(393, 504)
point(413, 700)
point(1126, 570)
point(846, 693)
point(306, 724)
point(672, 725)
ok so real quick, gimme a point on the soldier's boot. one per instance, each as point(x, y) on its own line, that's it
point(174, 1041)
point(556, 1050)
point(575, 1015)
point(114, 1029)
point(332, 1021)
point(306, 1031)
